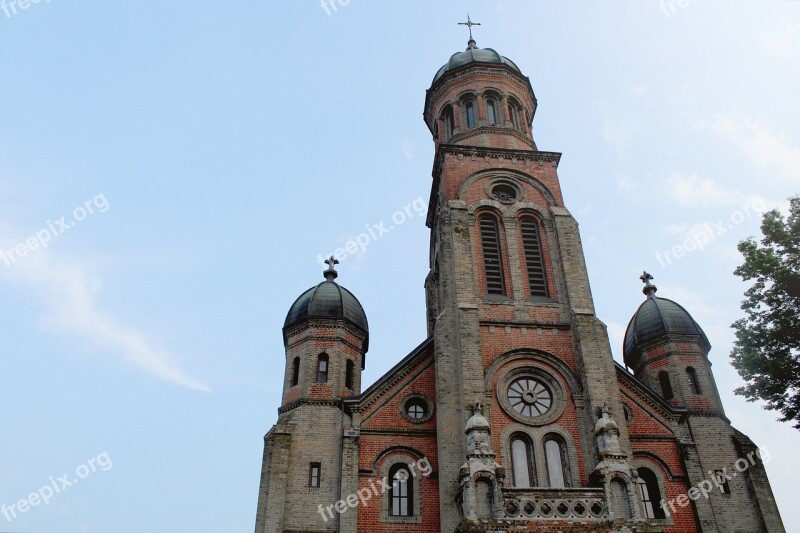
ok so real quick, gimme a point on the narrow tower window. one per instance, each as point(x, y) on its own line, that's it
point(314, 473)
point(555, 454)
point(349, 373)
point(449, 122)
point(694, 384)
point(295, 371)
point(666, 386)
point(322, 368)
point(490, 112)
point(492, 257)
point(400, 495)
point(532, 245)
point(522, 470)
point(470, 115)
point(516, 121)
point(650, 493)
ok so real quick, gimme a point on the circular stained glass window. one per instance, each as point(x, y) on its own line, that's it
point(529, 397)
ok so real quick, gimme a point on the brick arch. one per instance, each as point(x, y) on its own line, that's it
point(654, 462)
point(528, 354)
point(510, 173)
point(394, 450)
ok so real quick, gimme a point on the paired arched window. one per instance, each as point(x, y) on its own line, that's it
point(449, 121)
point(469, 110)
point(322, 368)
point(295, 371)
point(523, 473)
point(534, 262)
point(349, 375)
point(491, 112)
point(694, 384)
point(492, 254)
point(650, 493)
point(555, 452)
point(400, 494)
point(516, 115)
point(666, 386)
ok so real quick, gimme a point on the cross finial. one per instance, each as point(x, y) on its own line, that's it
point(649, 288)
point(469, 24)
point(331, 273)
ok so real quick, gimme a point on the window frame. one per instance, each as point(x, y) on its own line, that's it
point(497, 287)
point(315, 475)
point(469, 113)
point(322, 375)
point(491, 112)
point(563, 456)
point(650, 493)
point(529, 458)
point(694, 382)
point(406, 495)
point(295, 372)
point(666, 385)
point(349, 375)
point(530, 229)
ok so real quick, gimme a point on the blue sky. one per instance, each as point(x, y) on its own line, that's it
point(203, 154)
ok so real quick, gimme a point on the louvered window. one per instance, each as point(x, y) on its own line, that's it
point(531, 243)
point(492, 258)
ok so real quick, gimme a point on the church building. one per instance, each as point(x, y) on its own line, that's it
point(511, 415)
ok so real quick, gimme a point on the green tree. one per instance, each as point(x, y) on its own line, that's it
point(767, 349)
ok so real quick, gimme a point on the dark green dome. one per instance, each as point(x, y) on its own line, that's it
point(655, 318)
point(328, 300)
point(474, 54)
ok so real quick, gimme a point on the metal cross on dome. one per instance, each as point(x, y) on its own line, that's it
point(649, 288)
point(331, 273)
point(469, 24)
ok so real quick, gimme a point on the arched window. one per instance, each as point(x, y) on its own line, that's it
point(492, 256)
point(534, 263)
point(523, 473)
point(556, 454)
point(650, 493)
point(322, 368)
point(349, 374)
point(400, 494)
point(516, 114)
point(694, 384)
point(449, 122)
point(470, 111)
point(491, 112)
point(666, 386)
point(295, 371)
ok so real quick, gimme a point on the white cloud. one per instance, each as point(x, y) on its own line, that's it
point(775, 158)
point(694, 191)
point(68, 292)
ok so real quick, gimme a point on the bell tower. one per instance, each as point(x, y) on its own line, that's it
point(508, 296)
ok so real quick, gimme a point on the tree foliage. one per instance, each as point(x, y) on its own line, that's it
point(767, 349)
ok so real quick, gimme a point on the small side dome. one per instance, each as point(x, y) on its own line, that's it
point(655, 318)
point(474, 54)
point(328, 300)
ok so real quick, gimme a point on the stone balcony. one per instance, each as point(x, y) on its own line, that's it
point(583, 504)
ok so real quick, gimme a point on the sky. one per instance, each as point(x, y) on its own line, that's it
point(171, 174)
